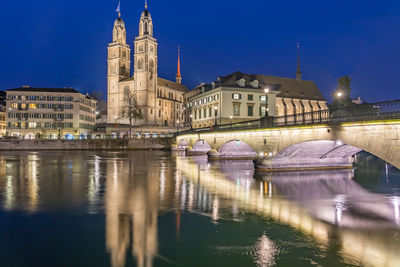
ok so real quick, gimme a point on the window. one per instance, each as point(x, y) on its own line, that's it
point(236, 96)
point(250, 110)
point(250, 97)
point(199, 113)
point(14, 105)
point(32, 125)
point(262, 98)
point(32, 105)
point(209, 112)
point(195, 115)
point(236, 109)
point(23, 106)
point(205, 100)
point(210, 98)
point(262, 111)
point(200, 102)
point(216, 97)
point(205, 113)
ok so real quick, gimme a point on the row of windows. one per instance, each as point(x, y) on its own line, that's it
point(86, 109)
point(67, 116)
point(203, 101)
point(250, 97)
point(40, 98)
point(88, 102)
point(86, 126)
point(174, 96)
point(33, 125)
point(204, 113)
point(26, 106)
point(86, 118)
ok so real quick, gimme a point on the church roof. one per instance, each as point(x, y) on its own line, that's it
point(170, 84)
point(292, 88)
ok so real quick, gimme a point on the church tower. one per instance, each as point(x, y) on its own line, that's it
point(119, 63)
point(145, 70)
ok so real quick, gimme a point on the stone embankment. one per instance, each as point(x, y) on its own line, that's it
point(117, 144)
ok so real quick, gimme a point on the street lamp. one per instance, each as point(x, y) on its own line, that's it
point(266, 91)
point(177, 126)
point(231, 117)
point(339, 94)
point(215, 115)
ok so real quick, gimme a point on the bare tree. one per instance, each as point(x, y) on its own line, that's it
point(129, 109)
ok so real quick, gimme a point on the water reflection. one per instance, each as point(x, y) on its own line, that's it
point(135, 190)
point(131, 210)
point(315, 203)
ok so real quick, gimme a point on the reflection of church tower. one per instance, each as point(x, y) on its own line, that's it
point(131, 204)
point(145, 70)
point(118, 67)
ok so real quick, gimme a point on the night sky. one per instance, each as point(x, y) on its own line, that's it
point(64, 43)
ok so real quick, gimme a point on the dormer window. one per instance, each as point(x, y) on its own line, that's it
point(255, 83)
point(241, 82)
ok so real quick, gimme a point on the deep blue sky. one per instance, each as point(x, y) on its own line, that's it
point(63, 43)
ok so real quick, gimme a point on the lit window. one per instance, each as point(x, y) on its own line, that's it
point(32, 105)
point(236, 96)
point(14, 105)
point(262, 98)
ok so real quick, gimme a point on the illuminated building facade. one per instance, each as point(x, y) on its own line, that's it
point(49, 113)
point(241, 97)
point(2, 120)
point(160, 101)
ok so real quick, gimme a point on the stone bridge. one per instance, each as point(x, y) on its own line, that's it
point(380, 138)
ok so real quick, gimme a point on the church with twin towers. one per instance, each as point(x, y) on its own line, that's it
point(160, 101)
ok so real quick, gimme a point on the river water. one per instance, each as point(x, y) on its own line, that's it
point(101, 208)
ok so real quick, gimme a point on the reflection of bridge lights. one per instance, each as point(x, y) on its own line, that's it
point(191, 196)
point(340, 204)
point(396, 203)
point(183, 195)
point(162, 181)
point(270, 189)
point(215, 209)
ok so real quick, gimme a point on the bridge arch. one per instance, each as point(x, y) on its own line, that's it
point(200, 147)
point(319, 154)
point(234, 149)
point(183, 143)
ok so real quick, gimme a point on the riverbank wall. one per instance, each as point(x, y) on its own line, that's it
point(117, 144)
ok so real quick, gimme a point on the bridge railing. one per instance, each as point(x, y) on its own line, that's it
point(364, 112)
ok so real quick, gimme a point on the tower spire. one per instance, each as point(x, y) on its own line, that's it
point(298, 72)
point(145, 4)
point(178, 72)
point(118, 10)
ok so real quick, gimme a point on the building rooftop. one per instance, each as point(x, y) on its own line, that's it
point(171, 84)
point(49, 90)
point(291, 88)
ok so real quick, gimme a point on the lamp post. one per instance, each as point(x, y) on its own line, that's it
point(215, 115)
point(177, 126)
point(266, 91)
point(231, 117)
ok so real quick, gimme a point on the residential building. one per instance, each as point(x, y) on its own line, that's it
point(160, 101)
point(49, 113)
point(2, 119)
point(241, 97)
